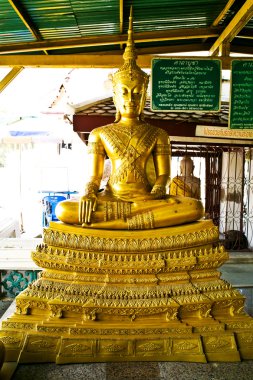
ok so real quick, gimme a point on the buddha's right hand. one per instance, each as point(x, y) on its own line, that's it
point(87, 204)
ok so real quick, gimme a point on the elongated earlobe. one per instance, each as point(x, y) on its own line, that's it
point(117, 117)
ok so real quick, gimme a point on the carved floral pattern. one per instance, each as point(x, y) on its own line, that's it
point(93, 243)
point(77, 348)
point(246, 338)
point(43, 344)
point(217, 343)
point(8, 339)
point(150, 346)
point(129, 280)
point(185, 346)
point(114, 348)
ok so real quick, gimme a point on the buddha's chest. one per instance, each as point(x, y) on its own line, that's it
point(128, 143)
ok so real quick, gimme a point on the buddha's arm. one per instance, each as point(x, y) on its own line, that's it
point(162, 157)
point(96, 157)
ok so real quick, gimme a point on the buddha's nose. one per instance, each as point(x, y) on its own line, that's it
point(130, 96)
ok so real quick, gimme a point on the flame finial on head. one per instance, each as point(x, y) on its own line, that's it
point(130, 52)
point(130, 68)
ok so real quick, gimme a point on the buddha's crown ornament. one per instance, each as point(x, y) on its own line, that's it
point(130, 69)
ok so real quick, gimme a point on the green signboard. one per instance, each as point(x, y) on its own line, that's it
point(185, 84)
point(241, 95)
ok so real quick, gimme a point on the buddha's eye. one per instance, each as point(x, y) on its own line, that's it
point(137, 91)
point(124, 91)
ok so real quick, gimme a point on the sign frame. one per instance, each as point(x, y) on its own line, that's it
point(241, 97)
point(184, 62)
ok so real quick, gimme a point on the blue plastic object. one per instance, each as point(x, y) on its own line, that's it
point(49, 203)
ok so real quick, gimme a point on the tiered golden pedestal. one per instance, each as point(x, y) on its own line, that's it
point(129, 296)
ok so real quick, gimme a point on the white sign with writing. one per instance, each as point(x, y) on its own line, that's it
point(223, 132)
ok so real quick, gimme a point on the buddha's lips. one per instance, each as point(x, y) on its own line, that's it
point(130, 107)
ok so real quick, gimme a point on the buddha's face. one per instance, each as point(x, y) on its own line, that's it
point(129, 97)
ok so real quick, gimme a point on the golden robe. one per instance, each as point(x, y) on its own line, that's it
point(181, 188)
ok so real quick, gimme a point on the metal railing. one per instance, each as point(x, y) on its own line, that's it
point(226, 176)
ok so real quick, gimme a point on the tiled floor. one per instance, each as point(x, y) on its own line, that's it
point(136, 371)
point(248, 293)
point(4, 305)
point(239, 275)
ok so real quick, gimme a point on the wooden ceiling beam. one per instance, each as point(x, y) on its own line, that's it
point(174, 49)
point(241, 18)
point(86, 61)
point(223, 13)
point(25, 19)
point(224, 49)
point(166, 49)
point(22, 14)
point(68, 43)
point(246, 33)
point(9, 77)
point(121, 18)
point(239, 49)
point(64, 61)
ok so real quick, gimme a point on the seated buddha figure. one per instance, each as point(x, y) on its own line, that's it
point(186, 184)
point(129, 200)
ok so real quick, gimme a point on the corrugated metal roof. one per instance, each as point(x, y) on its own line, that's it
point(164, 14)
point(26, 21)
point(61, 19)
point(12, 29)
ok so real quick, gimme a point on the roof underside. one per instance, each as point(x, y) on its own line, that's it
point(106, 107)
point(94, 26)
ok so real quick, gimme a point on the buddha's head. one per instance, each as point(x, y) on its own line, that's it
point(186, 166)
point(130, 82)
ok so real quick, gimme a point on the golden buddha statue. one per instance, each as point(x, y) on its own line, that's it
point(109, 294)
point(186, 184)
point(129, 201)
